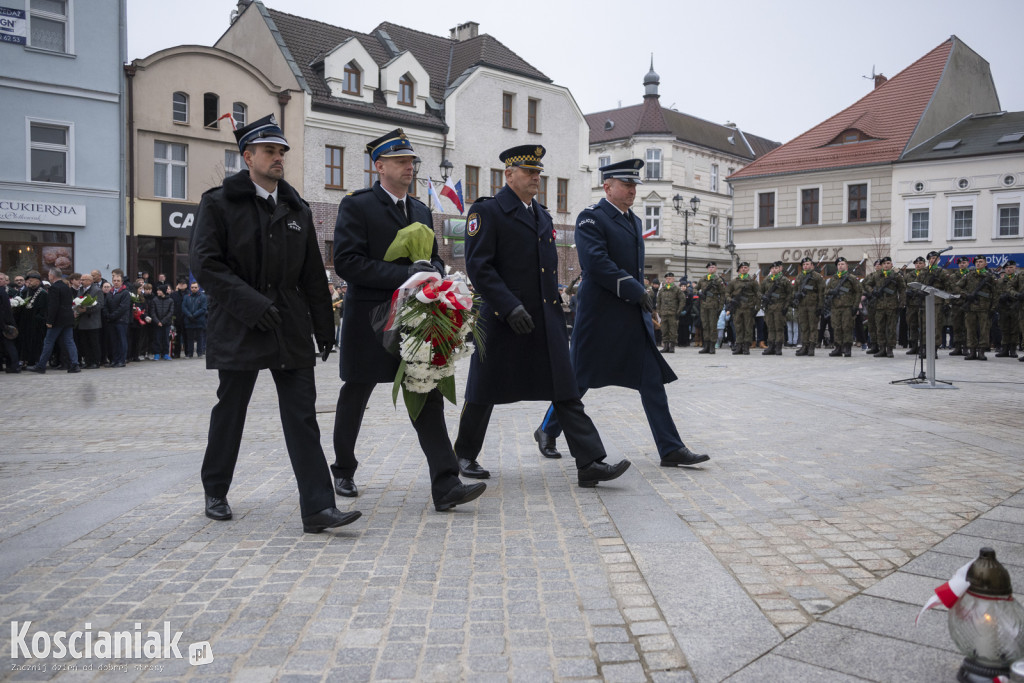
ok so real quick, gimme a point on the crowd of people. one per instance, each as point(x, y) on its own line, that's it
point(82, 321)
point(876, 313)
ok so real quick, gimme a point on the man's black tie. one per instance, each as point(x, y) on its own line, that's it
point(401, 209)
point(271, 204)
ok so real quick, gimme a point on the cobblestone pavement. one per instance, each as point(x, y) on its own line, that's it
point(825, 479)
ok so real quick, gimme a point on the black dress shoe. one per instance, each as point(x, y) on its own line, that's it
point(74, 369)
point(345, 486)
point(34, 368)
point(218, 508)
point(472, 469)
point(328, 519)
point(683, 457)
point(546, 443)
point(463, 493)
point(595, 472)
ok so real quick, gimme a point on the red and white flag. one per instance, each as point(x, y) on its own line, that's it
point(453, 191)
point(650, 233)
point(949, 592)
point(231, 118)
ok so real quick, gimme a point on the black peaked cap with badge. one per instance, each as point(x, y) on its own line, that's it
point(393, 144)
point(264, 130)
point(524, 156)
point(627, 171)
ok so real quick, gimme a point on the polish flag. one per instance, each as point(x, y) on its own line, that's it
point(453, 191)
point(650, 233)
point(230, 117)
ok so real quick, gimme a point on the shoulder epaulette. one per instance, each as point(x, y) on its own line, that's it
point(591, 207)
point(482, 199)
point(362, 191)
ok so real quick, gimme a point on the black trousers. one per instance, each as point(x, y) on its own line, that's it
point(580, 433)
point(296, 398)
point(89, 345)
point(430, 429)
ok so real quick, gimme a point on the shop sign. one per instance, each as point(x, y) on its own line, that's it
point(41, 213)
point(13, 26)
point(177, 220)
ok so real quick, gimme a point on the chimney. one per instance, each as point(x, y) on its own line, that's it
point(241, 7)
point(880, 79)
point(465, 31)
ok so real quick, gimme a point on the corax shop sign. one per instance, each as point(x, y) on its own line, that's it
point(13, 26)
point(41, 213)
point(177, 220)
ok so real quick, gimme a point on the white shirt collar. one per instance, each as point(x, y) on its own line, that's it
point(260, 192)
point(393, 197)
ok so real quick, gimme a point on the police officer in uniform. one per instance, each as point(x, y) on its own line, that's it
point(513, 264)
point(886, 294)
point(742, 294)
point(255, 252)
point(915, 307)
point(613, 339)
point(978, 289)
point(711, 290)
point(1008, 308)
point(808, 300)
point(843, 297)
point(368, 221)
point(775, 294)
point(670, 301)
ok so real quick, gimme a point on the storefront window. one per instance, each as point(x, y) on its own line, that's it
point(25, 250)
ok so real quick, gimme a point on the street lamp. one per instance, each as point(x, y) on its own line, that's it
point(731, 248)
point(677, 204)
point(446, 170)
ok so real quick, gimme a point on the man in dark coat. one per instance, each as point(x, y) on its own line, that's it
point(368, 221)
point(513, 264)
point(60, 323)
point(613, 340)
point(31, 317)
point(255, 253)
point(118, 312)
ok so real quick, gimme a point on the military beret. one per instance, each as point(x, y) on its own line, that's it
point(806, 259)
point(981, 257)
point(963, 259)
point(841, 259)
point(887, 259)
point(669, 275)
point(744, 263)
point(711, 263)
point(1011, 262)
point(932, 253)
point(919, 259)
point(877, 262)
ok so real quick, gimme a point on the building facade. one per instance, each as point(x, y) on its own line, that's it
point(829, 192)
point(460, 100)
point(184, 103)
point(684, 156)
point(61, 107)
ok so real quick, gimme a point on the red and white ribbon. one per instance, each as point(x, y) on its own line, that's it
point(430, 287)
point(949, 592)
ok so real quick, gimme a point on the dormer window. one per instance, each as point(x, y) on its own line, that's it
point(851, 136)
point(406, 90)
point(353, 79)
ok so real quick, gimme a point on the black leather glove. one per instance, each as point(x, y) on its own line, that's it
point(270, 319)
point(325, 348)
point(421, 267)
point(647, 303)
point(519, 320)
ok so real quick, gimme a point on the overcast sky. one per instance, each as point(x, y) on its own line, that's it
point(775, 68)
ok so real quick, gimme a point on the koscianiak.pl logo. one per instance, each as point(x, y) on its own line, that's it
point(87, 643)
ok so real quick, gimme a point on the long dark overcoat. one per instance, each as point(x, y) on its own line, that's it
point(611, 329)
point(247, 260)
point(368, 221)
point(511, 260)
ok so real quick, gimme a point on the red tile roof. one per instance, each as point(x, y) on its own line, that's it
point(889, 114)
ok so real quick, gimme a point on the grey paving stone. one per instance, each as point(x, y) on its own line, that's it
point(775, 669)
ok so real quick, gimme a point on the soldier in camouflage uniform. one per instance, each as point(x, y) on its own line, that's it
point(742, 295)
point(711, 289)
point(886, 293)
point(958, 307)
point(1009, 310)
point(933, 276)
point(915, 306)
point(670, 301)
point(842, 297)
point(869, 309)
point(808, 300)
point(978, 289)
point(775, 295)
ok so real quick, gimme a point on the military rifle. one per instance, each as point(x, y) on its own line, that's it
point(771, 296)
point(973, 296)
point(803, 287)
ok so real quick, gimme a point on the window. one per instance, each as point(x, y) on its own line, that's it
point(713, 229)
point(809, 206)
point(49, 20)
point(1009, 220)
point(850, 136)
point(963, 222)
point(542, 196)
point(857, 203)
point(497, 180)
point(766, 209)
point(603, 161)
point(50, 153)
point(179, 107)
point(507, 102)
point(472, 183)
point(714, 177)
point(334, 167)
point(532, 114)
point(370, 175)
point(652, 220)
point(729, 172)
point(170, 164)
point(353, 80)
point(563, 195)
point(405, 90)
point(919, 224)
point(239, 112)
point(653, 165)
point(728, 230)
point(211, 107)
point(233, 162)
